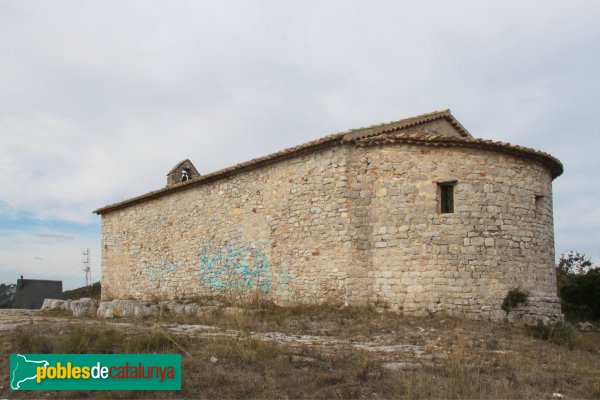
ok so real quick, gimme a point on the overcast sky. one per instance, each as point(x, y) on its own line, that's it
point(99, 99)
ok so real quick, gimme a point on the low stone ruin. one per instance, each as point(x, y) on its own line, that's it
point(130, 308)
point(141, 309)
point(80, 307)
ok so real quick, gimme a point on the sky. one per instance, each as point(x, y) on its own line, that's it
point(99, 100)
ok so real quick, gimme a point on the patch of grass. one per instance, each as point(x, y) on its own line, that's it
point(59, 313)
point(322, 319)
point(91, 340)
point(239, 350)
point(463, 359)
point(155, 342)
point(457, 370)
point(82, 339)
point(30, 343)
point(589, 341)
point(559, 332)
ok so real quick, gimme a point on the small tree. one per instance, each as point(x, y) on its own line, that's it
point(578, 286)
point(573, 263)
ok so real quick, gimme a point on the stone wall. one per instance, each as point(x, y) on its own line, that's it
point(347, 224)
point(280, 232)
point(464, 262)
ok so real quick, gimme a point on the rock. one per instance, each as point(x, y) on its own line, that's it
point(206, 310)
point(389, 348)
point(584, 326)
point(497, 315)
point(233, 310)
point(105, 310)
point(84, 306)
point(80, 307)
point(185, 308)
point(164, 306)
point(56, 304)
point(302, 359)
point(178, 309)
point(127, 308)
point(402, 366)
point(190, 309)
point(134, 308)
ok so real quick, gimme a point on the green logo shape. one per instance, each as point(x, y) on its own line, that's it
point(95, 372)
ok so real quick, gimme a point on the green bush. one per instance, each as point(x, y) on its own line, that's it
point(92, 291)
point(580, 294)
point(514, 298)
point(578, 284)
point(559, 332)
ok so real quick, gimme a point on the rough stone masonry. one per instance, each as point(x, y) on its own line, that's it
point(415, 215)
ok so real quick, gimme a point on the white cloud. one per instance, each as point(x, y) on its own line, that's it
point(47, 255)
point(100, 99)
point(57, 236)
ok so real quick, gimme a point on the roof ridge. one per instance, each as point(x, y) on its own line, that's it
point(369, 135)
point(378, 129)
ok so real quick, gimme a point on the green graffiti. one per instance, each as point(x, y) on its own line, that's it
point(234, 266)
point(157, 272)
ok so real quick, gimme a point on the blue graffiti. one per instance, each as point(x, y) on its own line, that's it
point(158, 272)
point(284, 279)
point(233, 266)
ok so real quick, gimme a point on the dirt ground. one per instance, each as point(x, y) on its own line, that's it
point(320, 352)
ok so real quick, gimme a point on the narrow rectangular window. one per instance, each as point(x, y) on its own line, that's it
point(446, 191)
point(540, 204)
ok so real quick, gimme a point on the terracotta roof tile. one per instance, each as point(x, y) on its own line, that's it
point(553, 164)
point(388, 127)
point(370, 135)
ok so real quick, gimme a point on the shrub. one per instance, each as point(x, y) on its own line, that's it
point(92, 291)
point(559, 332)
point(580, 294)
point(514, 298)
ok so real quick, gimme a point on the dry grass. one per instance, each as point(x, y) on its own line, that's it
point(464, 359)
point(322, 319)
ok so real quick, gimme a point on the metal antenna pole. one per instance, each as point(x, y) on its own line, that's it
point(86, 267)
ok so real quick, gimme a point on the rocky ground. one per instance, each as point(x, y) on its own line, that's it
point(321, 351)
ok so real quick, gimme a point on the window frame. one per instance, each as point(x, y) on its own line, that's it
point(446, 196)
